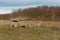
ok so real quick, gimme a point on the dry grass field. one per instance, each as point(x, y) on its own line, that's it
point(33, 33)
point(4, 22)
point(42, 32)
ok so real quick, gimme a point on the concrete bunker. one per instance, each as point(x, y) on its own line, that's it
point(24, 23)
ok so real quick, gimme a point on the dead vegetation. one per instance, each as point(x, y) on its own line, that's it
point(4, 22)
point(34, 33)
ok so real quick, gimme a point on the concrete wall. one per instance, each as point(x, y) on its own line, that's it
point(39, 23)
point(35, 23)
point(30, 23)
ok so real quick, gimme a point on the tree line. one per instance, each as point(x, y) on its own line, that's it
point(36, 13)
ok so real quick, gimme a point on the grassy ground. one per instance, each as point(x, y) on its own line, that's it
point(34, 33)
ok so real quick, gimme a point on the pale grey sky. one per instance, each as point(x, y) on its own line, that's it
point(8, 5)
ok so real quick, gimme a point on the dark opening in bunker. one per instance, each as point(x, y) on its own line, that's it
point(14, 21)
point(12, 26)
point(23, 26)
